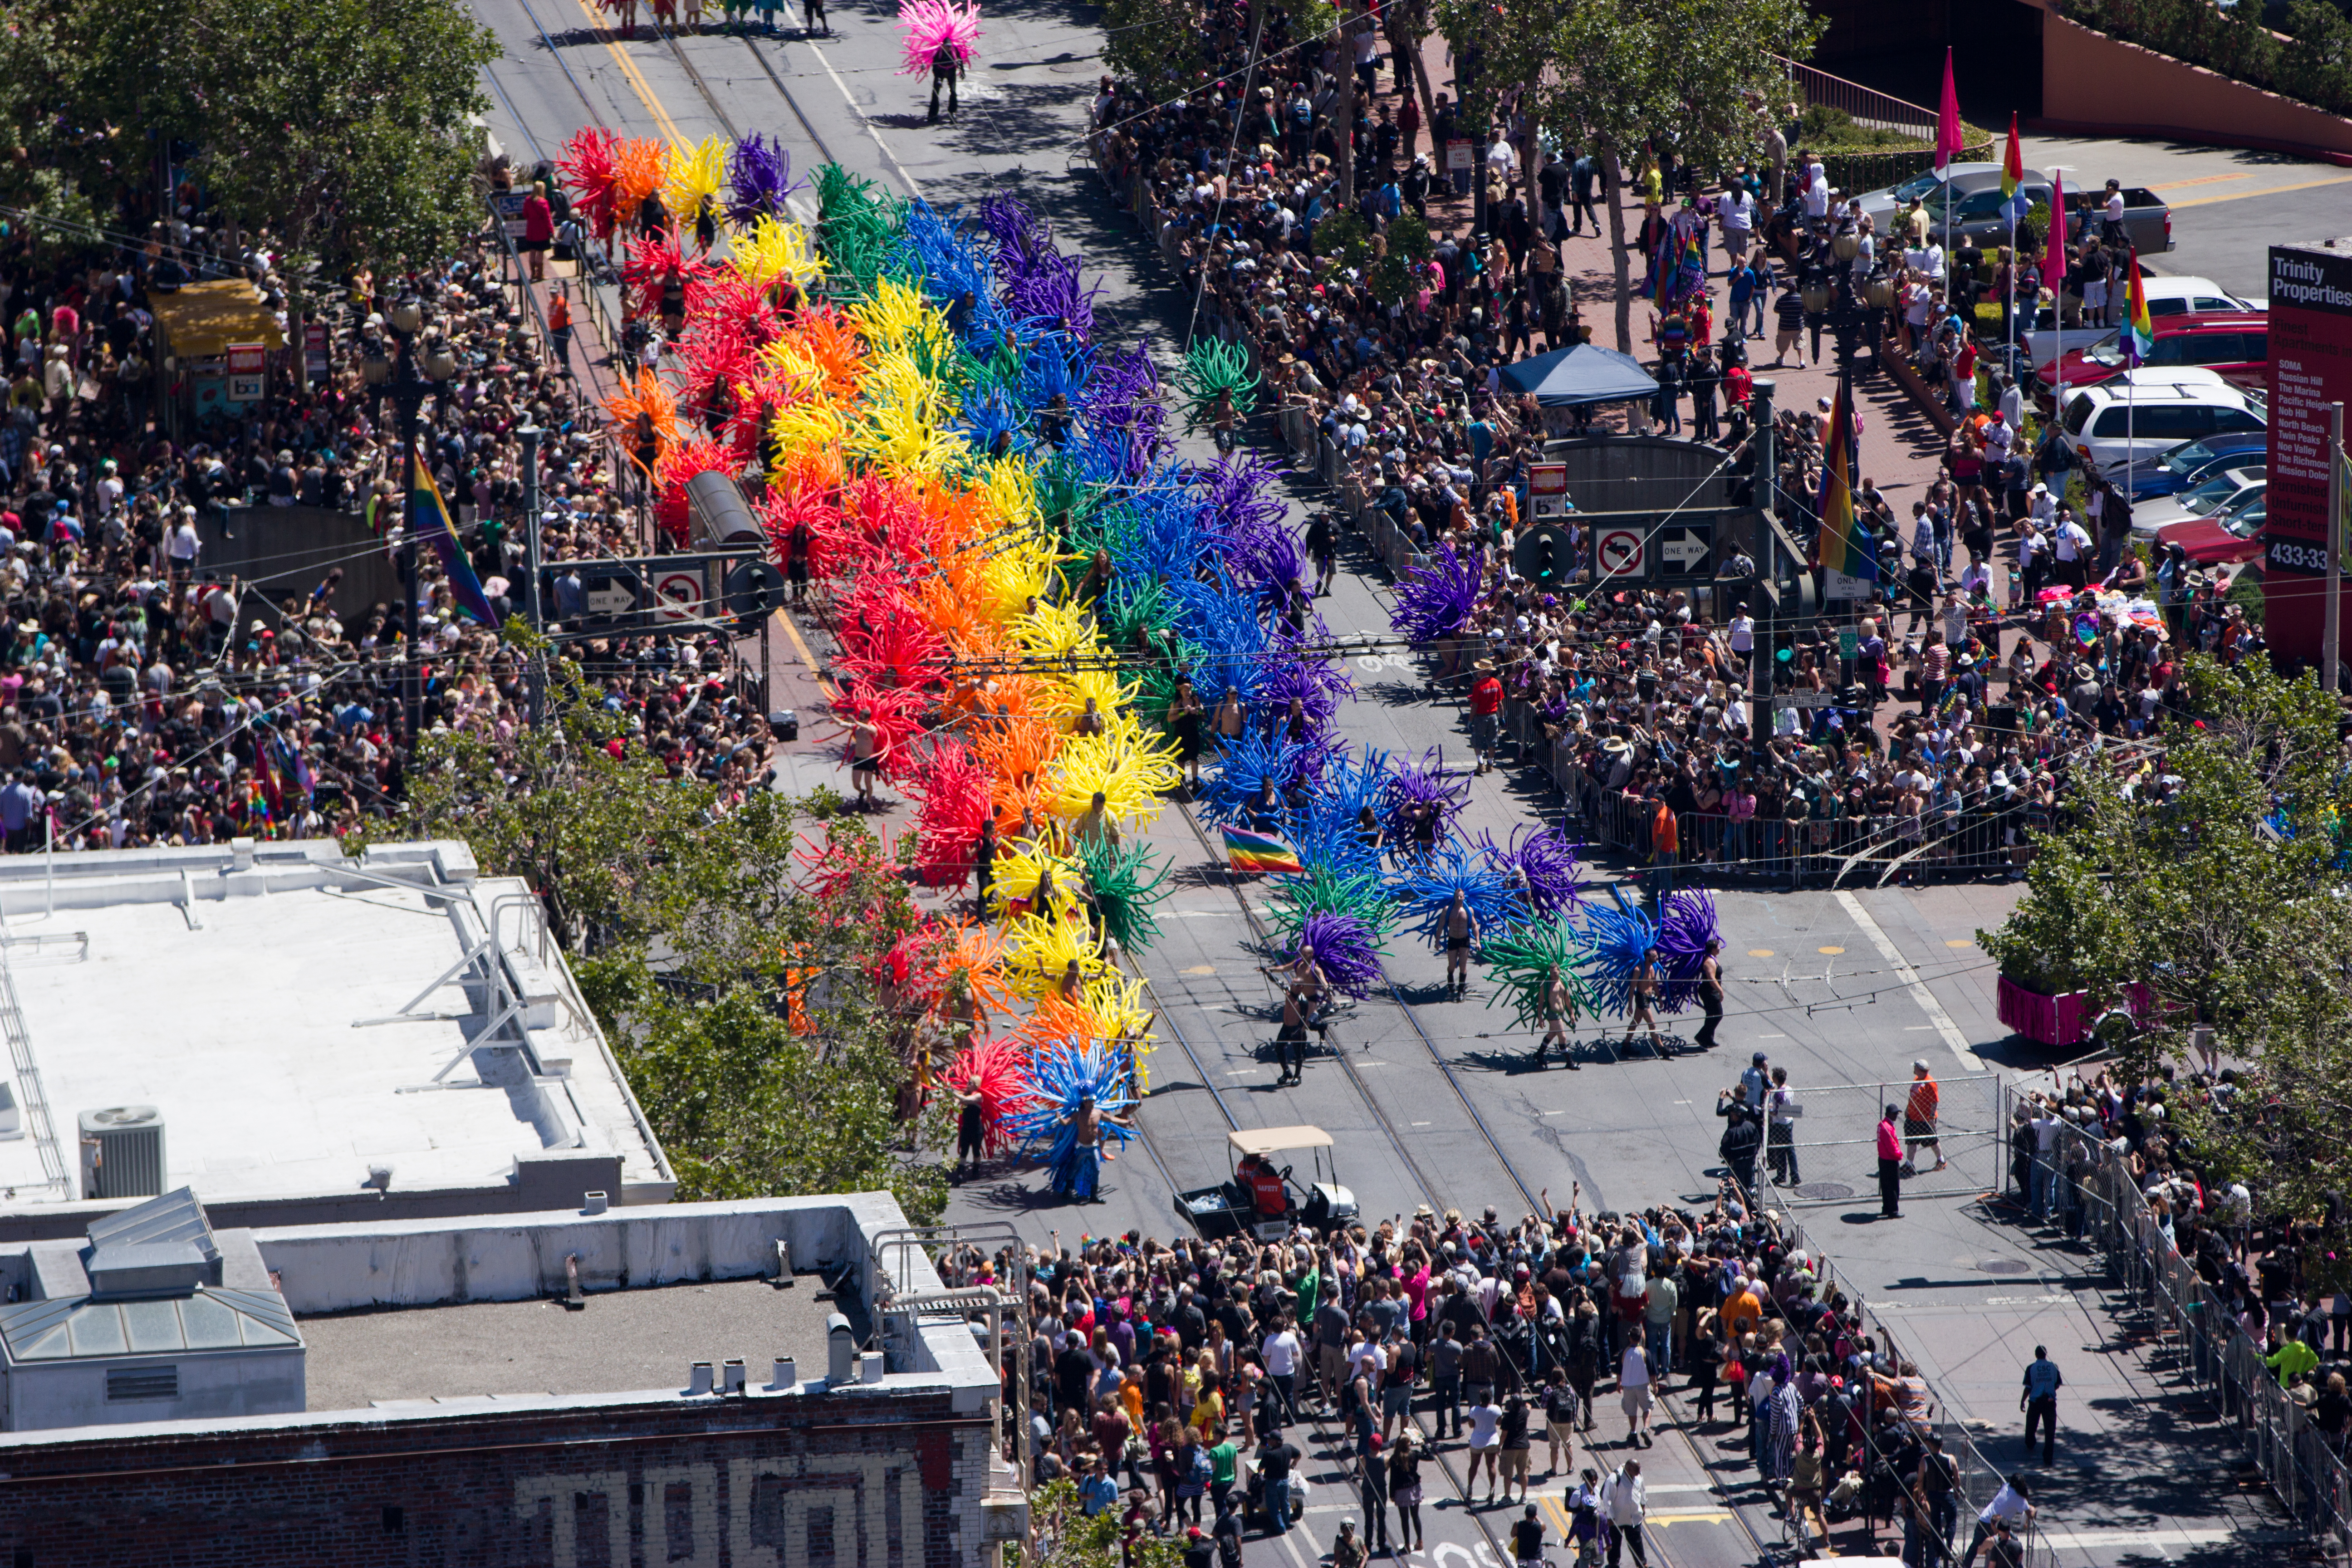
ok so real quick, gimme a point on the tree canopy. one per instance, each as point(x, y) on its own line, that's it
point(2213, 872)
point(1688, 77)
point(727, 953)
point(341, 127)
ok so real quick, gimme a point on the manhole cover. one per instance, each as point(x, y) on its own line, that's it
point(1825, 1190)
point(2005, 1266)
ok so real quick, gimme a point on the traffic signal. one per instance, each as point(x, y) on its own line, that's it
point(754, 589)
point(1544, 556)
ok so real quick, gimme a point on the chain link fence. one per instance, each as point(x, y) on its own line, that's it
point(1827, 1151)
point(2198, 1341)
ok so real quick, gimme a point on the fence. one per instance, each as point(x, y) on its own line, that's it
point(1781, 852)
point(2099, 1199)
point(627, 479)
point(1978, 1478)
point(1832, 1149)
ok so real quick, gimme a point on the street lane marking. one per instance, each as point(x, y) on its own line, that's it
point(1937, 1018)
point(637, 84)
point(793, 634)
point(2270, 191)
point(904, 178)
point(2201, 180)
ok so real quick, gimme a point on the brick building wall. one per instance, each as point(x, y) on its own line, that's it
point(853, 1479)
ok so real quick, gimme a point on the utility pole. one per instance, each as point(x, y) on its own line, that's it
point(533, 610)
point(2331, 649)
point(1767, 562)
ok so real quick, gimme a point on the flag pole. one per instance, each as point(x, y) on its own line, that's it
point(2009, 314)
point(2330, 648)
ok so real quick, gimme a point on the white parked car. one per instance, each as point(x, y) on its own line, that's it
point(2143, 412)
point(2166, 296)
point(2201, 500)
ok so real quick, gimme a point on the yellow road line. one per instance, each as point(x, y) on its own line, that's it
point(2201, 180)
point(784, 620)
point(636, 79)
point(2272, 190)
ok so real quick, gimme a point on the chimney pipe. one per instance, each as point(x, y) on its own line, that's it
point(842, 1350)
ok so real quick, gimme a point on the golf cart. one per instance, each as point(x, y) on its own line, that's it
point(1262, 1197)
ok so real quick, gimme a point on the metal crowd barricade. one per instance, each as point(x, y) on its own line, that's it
point(2100, 1201)
point(1977, 1478)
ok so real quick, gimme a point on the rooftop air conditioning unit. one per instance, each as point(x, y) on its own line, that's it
point(122, 1153)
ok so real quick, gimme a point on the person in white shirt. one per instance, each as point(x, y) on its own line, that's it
point(1486, 1444)
point(2112, 230)
point(1634, 1381)
point(2073, 549)
point(1743, 632)
point(1736, 211)
point(1282, 1352)
point(2012, 1503)
point(1624, 1500)
point(2043, 507)
point(1817, 192)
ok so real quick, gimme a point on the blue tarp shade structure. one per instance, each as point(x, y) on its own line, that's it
point(1581, 373)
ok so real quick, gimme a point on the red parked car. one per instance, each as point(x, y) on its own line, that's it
point(2235, 344)
point(2225, 537)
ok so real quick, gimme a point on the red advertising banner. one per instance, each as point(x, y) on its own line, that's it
point(2311, 367)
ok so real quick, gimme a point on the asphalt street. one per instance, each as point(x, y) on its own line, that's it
point(1431, 1099)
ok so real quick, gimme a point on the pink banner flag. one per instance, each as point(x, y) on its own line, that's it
point(2054, 244)
point(1947, 121)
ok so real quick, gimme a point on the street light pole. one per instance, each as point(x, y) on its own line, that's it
point(533, 610)
point(405, 318)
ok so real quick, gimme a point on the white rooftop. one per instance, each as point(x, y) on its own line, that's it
point(222, 987)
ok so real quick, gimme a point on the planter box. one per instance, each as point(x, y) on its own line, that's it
point(2061, 1020)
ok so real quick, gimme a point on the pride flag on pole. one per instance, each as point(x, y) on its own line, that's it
point(430, 519)
point(1264, 853)
point(1849, 553)
point(2138, 335)
point(2014, 204)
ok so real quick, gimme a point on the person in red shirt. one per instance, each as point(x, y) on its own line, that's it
point(1485, 710)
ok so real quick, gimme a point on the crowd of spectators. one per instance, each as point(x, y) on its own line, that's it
point(2079, 1146)
point(2027, 625)
point(1170, 1382)
point(149, 697)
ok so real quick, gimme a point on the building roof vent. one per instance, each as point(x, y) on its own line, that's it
point(163, 1247)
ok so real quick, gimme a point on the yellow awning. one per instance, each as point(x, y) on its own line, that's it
point(203, 319)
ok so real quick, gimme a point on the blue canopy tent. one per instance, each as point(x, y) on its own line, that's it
point(1581, 373)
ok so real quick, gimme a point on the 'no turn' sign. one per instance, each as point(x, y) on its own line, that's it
point(678, 595)
point(1619, 551)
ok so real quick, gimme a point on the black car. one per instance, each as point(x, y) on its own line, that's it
point(2191, 462)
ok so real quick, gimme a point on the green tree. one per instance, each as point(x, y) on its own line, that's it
point(1065, 1538)
point(2223, 892)
point(1156, 43)
point(342, 127)
point(1688, 77)
point(696, 941)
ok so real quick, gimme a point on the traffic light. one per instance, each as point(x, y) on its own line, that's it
point(754, 589)
point(1544, 556)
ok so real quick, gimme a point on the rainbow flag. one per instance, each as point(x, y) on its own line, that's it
point(430, 518)
point(1264, 853)
point(1849, 554)
point(2012, 166)
point(2138, 335)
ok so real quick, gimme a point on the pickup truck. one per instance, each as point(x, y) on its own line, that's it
point(2166, 296)
point(2148, 221)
